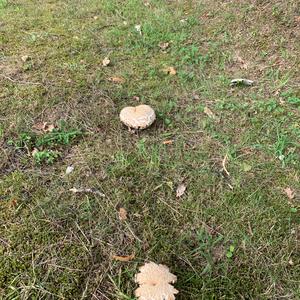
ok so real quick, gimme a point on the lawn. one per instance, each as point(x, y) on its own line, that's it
point(235, 232)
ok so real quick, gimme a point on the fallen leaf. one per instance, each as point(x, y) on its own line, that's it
point(180, 190)
point(123, 258)
point(170, 70)
point(25, 58)
point(92, 191)
point(290, 193)
point(105, 62)
point(168, 142)
point(241, 81)
point(116, 79)
point(96, 17)
point(208, 112)
point(122, 214)
point(44, 126)
point(14, 203)
point(49, 128)
point(69, 169)
point(164, 46)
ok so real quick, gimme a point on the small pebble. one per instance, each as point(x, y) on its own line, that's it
point(69, 169)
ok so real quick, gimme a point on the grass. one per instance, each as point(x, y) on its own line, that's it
point(234, 234)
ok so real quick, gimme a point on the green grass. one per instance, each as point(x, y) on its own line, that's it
point(230, 236)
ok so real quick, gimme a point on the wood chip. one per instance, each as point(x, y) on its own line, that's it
point(118, 80)
point(124, 258)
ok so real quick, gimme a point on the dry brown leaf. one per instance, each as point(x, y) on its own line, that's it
point(25, 58)
point(116, 79)
point(92, 191)
point(44, 126)
point(124, 258)
point(180, 190)
point(105, 62)
point(49, 128)
point(122, 214)
point(155, 282)
point(168, 142)
point(170, 70)
point(208, 112)
point(14, 203)
point(163, 46)
point(290, 193)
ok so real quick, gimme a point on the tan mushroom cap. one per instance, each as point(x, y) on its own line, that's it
point(154, 280)
point(152, 273)
point(162, 291)
point(139, 117)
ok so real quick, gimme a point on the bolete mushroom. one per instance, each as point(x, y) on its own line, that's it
point(139, 117)
point(155, 283)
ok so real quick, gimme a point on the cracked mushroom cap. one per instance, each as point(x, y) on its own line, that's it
point(154, 281)
point(139, 117)
point(152, 273)
point(162, 291)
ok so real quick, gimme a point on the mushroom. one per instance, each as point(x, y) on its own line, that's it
point(154, 281)
point(139, 117)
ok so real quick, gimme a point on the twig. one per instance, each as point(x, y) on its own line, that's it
point(19, 82)
point(4, 242)
point(224, 165)
point(128, 227)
